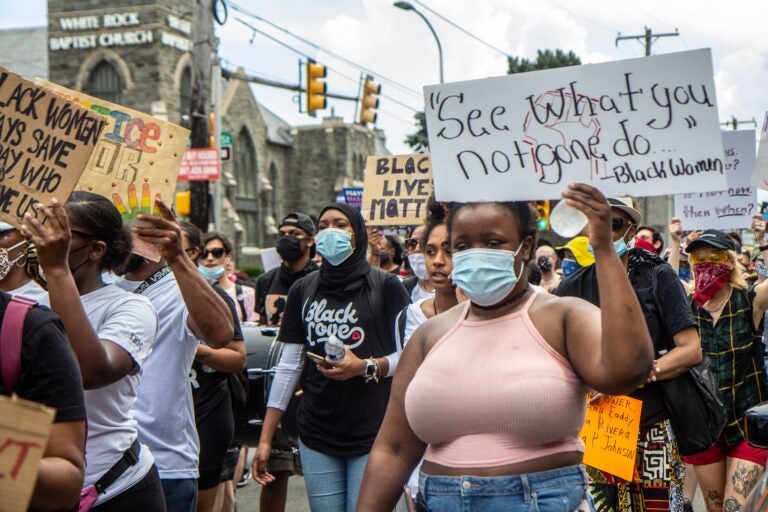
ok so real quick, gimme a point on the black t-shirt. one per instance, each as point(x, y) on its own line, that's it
point(49, 371)
point(272, 292)
point(343, 418)
point(675, 316)
point(209, 386)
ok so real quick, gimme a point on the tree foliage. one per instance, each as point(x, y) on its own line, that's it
point(545, 59)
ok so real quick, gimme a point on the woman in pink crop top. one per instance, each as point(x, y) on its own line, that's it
point(492, 392)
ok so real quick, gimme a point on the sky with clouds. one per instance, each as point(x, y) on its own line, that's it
point(400, 51)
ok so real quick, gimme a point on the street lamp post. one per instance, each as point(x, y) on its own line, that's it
point(407, 6)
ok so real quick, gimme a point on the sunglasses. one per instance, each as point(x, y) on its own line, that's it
point(618, 223)
point(217, 252)
point(708, 257)
point(411, 244)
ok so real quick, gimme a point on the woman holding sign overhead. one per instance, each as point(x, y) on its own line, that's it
point(111, 332)
point(495, 389)
point(344, 401)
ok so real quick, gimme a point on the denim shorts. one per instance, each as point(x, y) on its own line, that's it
point(557, 490)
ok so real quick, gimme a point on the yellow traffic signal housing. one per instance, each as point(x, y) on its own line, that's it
point(370, 101)
point(183, 202)
point(542, 208)
point(316, 87)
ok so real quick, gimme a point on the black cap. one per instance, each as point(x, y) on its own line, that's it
point(713, 238)
point(299, 220)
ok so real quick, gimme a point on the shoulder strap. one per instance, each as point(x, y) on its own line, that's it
point(240, 301)
point(376, 278)
point(400, 322)
point(10, 340)
point(668, 339)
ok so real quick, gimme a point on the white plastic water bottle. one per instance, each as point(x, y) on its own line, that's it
point(566, 220)
point(334, 349)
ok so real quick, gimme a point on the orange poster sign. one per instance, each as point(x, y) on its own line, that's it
point(610, 433)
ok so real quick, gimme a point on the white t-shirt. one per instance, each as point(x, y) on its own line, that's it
point(418, 294)
point(164, 409)
point(130, 322)
point(34, 291)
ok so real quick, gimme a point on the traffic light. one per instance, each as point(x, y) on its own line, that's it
point(316, 87)
point(183, 202)
point(211, 130)
point(370, 101)
point(542, 207)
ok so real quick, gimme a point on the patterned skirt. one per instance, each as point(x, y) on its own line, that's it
point(658, 481)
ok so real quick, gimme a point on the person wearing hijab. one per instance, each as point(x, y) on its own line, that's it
point(344, 400)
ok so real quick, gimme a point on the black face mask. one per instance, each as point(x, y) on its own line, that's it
point(289, 248)
point(384, 257)
point(544, 264)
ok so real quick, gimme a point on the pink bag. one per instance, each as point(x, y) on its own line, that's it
point(88, 497)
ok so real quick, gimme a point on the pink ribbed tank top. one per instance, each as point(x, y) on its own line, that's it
point(494, 392)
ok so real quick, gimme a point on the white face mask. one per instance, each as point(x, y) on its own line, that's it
point(5, 262)
point(418, 265)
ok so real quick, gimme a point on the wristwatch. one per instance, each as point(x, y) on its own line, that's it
point(370, 371)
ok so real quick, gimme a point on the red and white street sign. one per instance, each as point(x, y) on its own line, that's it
point(199, 164)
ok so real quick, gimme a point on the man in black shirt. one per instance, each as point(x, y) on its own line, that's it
point(296, 247)
point(668, 315)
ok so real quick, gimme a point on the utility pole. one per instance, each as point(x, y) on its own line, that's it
point(202, 37)
point(648, 38)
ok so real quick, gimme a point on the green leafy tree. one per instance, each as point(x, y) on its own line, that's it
point(545, 59)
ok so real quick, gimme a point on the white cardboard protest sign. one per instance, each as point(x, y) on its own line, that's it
point(730, 208)
point(760, 173)
point(639, 127)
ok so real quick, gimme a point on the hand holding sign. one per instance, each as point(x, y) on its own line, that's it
point(162, 232)
point(758, 229)
point(51, 236)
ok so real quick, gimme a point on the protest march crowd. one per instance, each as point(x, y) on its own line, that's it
point(467, 366)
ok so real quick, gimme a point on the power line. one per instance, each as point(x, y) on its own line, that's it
point(462, 29)
point(303, 54)
point(329, 52)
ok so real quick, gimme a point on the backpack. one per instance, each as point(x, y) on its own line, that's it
point(10, 340)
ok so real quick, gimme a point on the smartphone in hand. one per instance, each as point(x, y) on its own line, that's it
point(317, 358)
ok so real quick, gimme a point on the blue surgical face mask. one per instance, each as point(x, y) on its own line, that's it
point(212, 272)
point(620, 246)
point(334, 245)
point(569, 266)
point(486, 276)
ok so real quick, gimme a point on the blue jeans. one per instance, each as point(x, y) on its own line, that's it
point(180, 494)
point(333, 483)
point(556, 490)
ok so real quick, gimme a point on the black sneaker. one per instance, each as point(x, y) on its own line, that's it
point(245, 478)
point(687, 506)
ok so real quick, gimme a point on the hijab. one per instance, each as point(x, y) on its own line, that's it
point(350, 274)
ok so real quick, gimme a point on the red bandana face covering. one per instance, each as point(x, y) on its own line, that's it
point(710, 278)
point(642, 243)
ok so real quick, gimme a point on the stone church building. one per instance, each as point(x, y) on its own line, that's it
point(138, 53)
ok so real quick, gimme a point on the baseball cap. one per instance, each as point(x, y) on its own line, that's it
point(579, 246)
point(626, 205)
point(299, 220)
point(4, 226)
point(713, 238)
